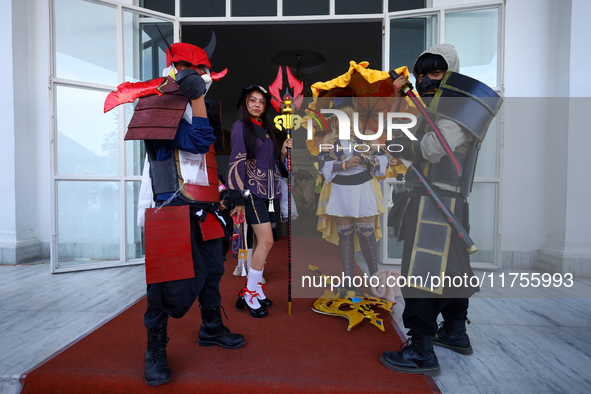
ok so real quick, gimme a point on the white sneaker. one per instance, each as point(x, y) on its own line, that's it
point(237, 271)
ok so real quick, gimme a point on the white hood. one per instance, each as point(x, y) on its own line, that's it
point(449, 54)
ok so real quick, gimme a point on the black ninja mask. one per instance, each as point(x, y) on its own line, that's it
point(427, 87)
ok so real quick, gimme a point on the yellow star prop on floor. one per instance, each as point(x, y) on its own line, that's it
point(346, 304)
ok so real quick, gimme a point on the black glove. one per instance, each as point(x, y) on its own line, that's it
point(223, 196)
point(191, 84)
point(411, 150)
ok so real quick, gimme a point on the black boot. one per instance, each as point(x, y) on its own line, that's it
point(213, 331)
point(369, 245)
point(452, 335)
point(417, 356)
point(347, 248)
point(157, 370)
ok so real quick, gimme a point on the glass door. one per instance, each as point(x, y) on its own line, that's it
point(476, 32)
point(95, 173)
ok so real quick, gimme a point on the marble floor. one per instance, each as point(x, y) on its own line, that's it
point(41, 313)
point(525, 340)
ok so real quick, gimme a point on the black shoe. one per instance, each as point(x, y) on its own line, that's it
point(213, 331)
point(452, 335)
point(241, 303)
point(417, 356)
point(266, 303)
point(157, 370)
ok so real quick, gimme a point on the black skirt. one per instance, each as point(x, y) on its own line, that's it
point(257, 210)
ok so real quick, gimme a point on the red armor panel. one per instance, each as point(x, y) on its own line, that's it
point(168, 244)
point(158, 117)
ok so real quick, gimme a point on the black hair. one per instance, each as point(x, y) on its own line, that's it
point(182, 63)
point(250, 136)
point(427, 63)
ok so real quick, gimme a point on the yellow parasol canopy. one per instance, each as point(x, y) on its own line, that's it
point(375, 83)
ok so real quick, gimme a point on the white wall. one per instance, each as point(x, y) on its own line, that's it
point(40, 119)
point(530, 135)
point(547, 56)
point(578, 235)
point(24, 218)
point(7, 158)
point(530, 37)
point(580, 50)
point(523, 176)
point(24, 137)
point(578, 209)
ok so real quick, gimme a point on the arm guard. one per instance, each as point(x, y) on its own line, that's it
point(411, 150)
point(338, 165)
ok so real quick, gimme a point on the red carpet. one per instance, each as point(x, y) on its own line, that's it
point(302, 352)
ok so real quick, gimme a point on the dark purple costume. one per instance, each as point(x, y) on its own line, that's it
point(260, 175)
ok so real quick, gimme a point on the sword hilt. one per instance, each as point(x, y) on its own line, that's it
point(404, 89)
point(237, 196)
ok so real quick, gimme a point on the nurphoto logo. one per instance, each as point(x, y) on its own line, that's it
point(345, 128)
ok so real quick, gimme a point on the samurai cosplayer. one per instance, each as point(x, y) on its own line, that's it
point(181, 172)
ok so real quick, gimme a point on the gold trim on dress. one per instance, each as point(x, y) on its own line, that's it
point(233, 172)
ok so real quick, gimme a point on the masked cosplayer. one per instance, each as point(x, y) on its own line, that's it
point(180, 176)
point(462, 109)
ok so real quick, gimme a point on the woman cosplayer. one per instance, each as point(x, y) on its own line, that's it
point(351, 195)
point(256, 164)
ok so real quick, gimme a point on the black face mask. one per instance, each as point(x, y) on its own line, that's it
point(427, 87)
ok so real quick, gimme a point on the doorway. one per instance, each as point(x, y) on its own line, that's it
point(250, 53)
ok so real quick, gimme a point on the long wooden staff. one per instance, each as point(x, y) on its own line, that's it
point(286, 111)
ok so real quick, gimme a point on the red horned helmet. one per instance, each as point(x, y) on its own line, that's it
point(194, 55)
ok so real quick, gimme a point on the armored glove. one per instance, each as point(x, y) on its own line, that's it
point(191, 83)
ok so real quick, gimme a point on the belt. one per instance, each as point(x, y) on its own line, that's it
point(447, 187)
point(356, 179)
